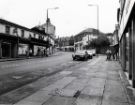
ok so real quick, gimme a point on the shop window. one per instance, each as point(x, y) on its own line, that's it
point(127, 51)
point(7, 30)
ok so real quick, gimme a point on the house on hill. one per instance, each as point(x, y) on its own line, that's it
point(82, 39)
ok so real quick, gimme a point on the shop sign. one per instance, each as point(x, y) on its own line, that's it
point(126, 14)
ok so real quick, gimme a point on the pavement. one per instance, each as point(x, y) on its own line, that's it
point(97, 82)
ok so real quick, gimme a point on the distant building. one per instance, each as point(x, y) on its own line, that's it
point(65, 43)
point(49, 29)
point(85, 37)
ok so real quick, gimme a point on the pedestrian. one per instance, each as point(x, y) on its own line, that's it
point(108, 54)
point(30, 52)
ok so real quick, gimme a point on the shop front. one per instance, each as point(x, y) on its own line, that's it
point(6, 50)
point(8, 47)
point(127, 41)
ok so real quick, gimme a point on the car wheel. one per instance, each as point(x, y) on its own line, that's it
point(90, 57)
point(85, 59)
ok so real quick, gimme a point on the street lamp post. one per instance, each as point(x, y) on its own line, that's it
point(97, 16)
point(48, 15)
point(47, 23)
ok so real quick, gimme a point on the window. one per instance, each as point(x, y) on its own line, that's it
point(43, 37)
point(22, 33)
point(7, 30)
point(15, 32)
point(34, 35)
point(30, 36)
point(40, 37)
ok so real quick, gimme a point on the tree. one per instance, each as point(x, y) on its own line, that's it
point(101, 43)
point(71, 41)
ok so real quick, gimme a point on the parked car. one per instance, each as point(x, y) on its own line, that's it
point(92, 52)
point(80, 55)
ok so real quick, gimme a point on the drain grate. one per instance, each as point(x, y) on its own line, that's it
point(76, 95)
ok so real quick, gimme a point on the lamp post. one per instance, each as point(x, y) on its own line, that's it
point(48, 15)
point(97, 6)
point(47, 23)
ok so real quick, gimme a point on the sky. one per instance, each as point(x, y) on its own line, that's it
point(72, 17)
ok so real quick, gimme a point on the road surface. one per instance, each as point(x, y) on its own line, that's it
point(35, 64)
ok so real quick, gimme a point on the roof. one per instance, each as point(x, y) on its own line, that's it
point(13, 24)
point(37, 30)
point(34, 29)
point(89, 30)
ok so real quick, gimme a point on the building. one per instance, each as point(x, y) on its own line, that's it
point(115, 35)
point(18, 41)
point(49, 29)
point(65, 43)
point(83, 38)
point(110, 36)
point(126, 20)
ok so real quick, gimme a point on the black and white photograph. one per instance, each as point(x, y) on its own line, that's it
point(67, 52)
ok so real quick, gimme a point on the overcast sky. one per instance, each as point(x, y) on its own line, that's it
point(72, 16)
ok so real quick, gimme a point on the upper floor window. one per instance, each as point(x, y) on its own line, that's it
point(40, 37)
point(15, 32)
point(30, 36)
point(22, 33)
point(34, 36)
point(7, 30)
point(43, 38)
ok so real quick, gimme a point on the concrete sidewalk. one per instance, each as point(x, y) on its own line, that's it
point(97, 82)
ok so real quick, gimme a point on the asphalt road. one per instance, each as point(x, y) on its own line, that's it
point(92, 82)
point(16, 76)
point(35, 64)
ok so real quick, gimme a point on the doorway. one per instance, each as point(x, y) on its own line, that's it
point(6, 50)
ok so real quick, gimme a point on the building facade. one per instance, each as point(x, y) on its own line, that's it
point(83, 38)
point(65, 43)
point(126, 20)
point(115, 35)
point(49, 29)
point(18, 41)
